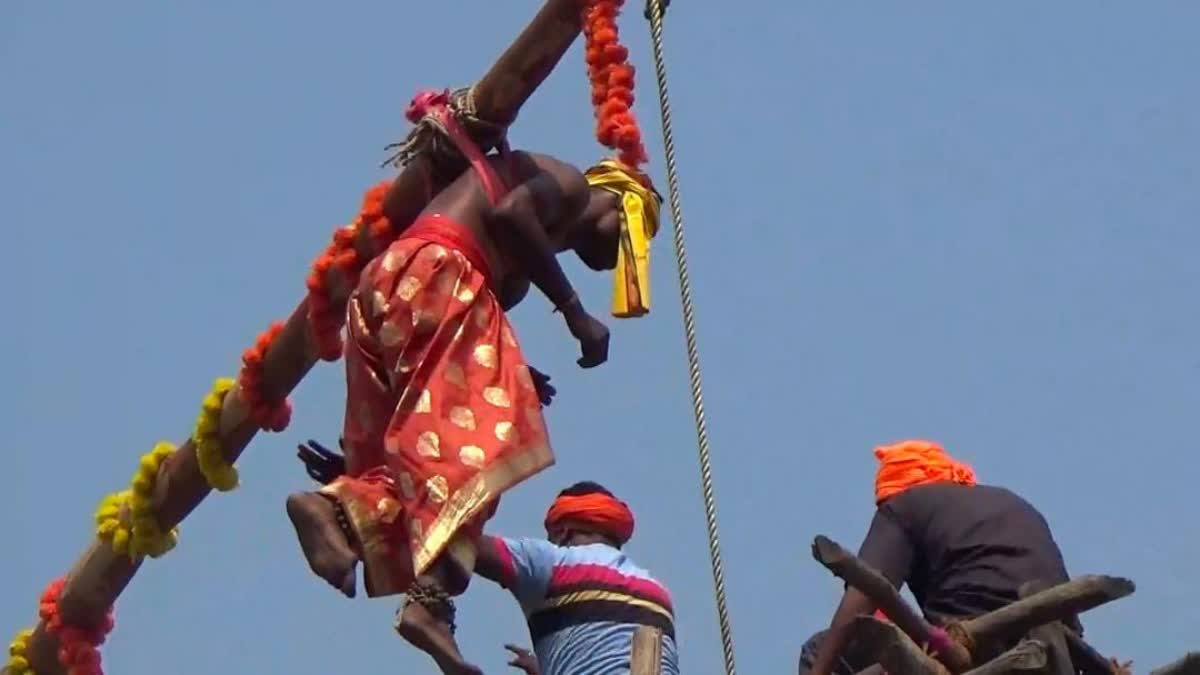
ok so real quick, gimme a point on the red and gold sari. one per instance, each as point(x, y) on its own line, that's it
point(441, 413)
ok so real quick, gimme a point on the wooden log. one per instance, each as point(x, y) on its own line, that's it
point(646, 658)
point(1083, 657)
point(883, 593)
point(523, 67)
point(894, 650)
point(1053, 604)
point(100, 576)
point(1058, 656)
point(1027, 657)
point(874, 669)
point(1188, 664)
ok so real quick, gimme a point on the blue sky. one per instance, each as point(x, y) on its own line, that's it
point(969, 222)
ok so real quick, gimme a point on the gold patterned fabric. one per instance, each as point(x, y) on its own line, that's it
point(442, 416)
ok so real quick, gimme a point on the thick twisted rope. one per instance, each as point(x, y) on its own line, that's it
point(655, 9)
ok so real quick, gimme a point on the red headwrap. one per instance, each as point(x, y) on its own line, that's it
point(604, 513)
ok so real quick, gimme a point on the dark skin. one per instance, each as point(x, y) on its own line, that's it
point(853, 604)
point(523, 659)
point(550, 210)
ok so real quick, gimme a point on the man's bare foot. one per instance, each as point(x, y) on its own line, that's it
point(322, 540)
point(423, 631)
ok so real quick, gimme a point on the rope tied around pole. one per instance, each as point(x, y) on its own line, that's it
point(655, 10)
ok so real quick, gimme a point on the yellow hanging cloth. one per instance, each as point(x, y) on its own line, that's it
point(640, 206)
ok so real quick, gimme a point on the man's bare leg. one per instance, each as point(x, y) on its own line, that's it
point(425, 620)
point(325, 544)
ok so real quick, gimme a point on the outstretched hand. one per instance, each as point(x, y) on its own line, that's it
point(322, 464)
point(541, 384)
point(523, 659)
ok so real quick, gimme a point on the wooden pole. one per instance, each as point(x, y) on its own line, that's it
point(1027, 657)
point(1065, 649)
point(646, 656)
point(1053, 604)
point(98, 577)
point(882, 592)
point(894, 650)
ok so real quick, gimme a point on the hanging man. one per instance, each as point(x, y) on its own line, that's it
point(443, 415)
point(963, 549)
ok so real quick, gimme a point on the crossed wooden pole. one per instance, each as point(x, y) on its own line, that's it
point(1036, 614)
point(98, 577)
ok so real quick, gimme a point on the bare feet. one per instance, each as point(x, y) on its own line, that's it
point(324, 544)
point(433, 637)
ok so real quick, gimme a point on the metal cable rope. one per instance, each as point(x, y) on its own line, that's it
point(654, 12)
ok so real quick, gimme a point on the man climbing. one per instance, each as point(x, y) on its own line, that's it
point(963, 549)
point(442, 413)
point(583, 597)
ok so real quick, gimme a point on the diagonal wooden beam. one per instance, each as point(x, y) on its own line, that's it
point(1029, 656)
point(99, 576)
point(882, 592)
point(894, 650)
point(1053, 604)
point(1082, 656)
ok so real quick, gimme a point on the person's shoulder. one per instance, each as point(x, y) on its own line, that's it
point(541, 162)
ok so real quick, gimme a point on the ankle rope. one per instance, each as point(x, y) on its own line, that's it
point(433, 598)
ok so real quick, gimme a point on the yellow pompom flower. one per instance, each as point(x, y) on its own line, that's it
point(142, 535)
point(109, 524)
point(218, 472)
point(18, 661)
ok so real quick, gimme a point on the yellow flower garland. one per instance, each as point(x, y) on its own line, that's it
point(210, 456)
point(18, 661)
point(142, 536)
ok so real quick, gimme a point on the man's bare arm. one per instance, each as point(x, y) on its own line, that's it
point(488, 563)
point(853, 604)
point(518, 219)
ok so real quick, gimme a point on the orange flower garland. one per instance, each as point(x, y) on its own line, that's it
point(78, 651)
point(268, 415)
point(612, 82)
point(324, 314)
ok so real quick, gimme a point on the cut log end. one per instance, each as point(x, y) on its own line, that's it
point(827, 551)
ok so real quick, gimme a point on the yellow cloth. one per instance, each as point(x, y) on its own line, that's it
point(639, 223)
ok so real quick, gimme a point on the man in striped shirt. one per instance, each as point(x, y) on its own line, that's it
point(583, 597)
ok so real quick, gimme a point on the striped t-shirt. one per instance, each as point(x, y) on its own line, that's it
point(583, 605)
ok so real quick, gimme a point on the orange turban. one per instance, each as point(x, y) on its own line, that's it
point(908, 464)
point(604, 513)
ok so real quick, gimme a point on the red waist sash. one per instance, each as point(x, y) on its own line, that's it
point(438, 229)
